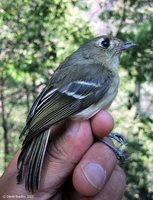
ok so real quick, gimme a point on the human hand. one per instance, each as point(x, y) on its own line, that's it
point(74, 167)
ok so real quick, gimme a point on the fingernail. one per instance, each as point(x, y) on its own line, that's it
point(73, 127)
point(94, 174)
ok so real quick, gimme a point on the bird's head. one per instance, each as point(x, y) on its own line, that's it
point(105, 49)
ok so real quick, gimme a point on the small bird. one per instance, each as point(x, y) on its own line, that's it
point(86, 82)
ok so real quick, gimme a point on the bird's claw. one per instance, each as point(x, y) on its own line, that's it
point(120, 154)
point(118, 137)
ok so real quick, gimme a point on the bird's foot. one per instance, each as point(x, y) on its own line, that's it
point(118, 137)
point(120, 154)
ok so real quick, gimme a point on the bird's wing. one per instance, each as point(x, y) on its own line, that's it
point(35, 104)
point(33, 110)
point(58, 103)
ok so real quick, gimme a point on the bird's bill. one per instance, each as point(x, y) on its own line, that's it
point(127, 45)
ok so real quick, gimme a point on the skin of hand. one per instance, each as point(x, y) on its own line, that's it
point(75, 167)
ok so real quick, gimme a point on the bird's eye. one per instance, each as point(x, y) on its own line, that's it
point(105, 43)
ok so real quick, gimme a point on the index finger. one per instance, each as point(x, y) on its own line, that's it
point(102, 123)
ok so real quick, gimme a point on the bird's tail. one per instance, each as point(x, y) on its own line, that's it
point(31, 159)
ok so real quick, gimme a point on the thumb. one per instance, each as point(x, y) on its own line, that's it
point(63, 155)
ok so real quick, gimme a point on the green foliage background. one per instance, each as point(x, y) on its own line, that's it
point(35, 36)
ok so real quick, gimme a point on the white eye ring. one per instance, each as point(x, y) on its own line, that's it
point(99, 42)
point(103, 42)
